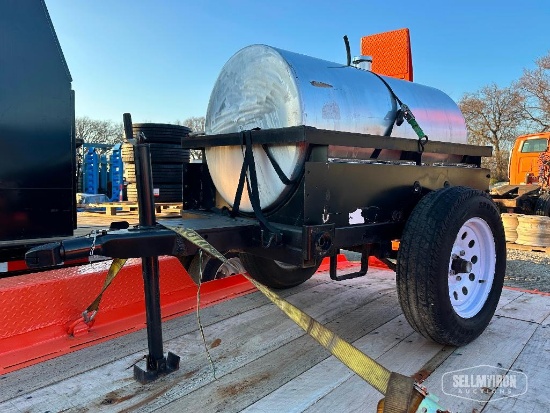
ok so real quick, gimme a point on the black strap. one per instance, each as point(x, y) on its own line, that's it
point(270, 234)
point(376, 153)
point(284, 179)
point(240, 187)
point(405, 112)
point(389, 88)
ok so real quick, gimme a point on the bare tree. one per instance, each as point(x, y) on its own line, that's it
point(98, 131)
point(535, 86)
point(494, 117)
point(196, 124)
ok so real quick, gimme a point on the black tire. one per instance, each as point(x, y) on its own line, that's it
point(161, 132)
point(160, 153)
point(214, 269)
point(275, 274)
point(542, 206)
point(167, 192)
point(162, 173)
point(424, 276)
point(163, 137)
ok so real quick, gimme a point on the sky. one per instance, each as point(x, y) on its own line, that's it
point(159, 59)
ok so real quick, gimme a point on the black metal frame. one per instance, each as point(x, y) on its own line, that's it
point(324, 137)
point(313, 222)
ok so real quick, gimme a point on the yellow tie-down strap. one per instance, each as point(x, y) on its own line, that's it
point(402, 394)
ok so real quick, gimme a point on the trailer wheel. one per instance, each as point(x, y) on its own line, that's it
point(451, 265)
point(542, 206)
point(275, 274)
point(214, 269)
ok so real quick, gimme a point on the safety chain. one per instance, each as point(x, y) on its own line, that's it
point(92, 248)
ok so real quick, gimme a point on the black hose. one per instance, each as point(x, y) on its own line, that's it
point(348, 51)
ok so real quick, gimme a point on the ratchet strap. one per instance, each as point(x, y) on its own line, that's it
point(90, 312)
point(405, 112)
point(402, 393)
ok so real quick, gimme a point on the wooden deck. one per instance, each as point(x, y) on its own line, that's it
point(114, 208)
point(91, 220)
point(265, 363)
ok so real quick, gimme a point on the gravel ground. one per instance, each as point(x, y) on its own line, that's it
point(527, 270)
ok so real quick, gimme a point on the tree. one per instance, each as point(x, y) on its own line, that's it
point(196, 124)
point(494, 117)
point(535, 86)
point(98, 131)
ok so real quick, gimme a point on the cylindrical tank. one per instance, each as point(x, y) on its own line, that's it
point(264, 87)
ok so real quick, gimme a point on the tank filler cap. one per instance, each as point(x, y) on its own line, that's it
point(362, 62)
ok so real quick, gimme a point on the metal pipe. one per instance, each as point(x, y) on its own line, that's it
point(150, 267)
point(144, 181)
point(348, 52)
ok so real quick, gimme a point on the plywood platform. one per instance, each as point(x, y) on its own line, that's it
point(264, 363)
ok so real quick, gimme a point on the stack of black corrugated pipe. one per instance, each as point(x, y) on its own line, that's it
point(167, 158)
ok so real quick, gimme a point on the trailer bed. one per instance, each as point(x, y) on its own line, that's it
point(265, 363)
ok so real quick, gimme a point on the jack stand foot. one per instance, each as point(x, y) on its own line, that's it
point(166, 365)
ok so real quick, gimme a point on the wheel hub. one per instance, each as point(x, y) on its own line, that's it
point(471, 267)
point(459, 265)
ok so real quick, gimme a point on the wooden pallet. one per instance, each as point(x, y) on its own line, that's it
point(111, 208)
point(514, 246)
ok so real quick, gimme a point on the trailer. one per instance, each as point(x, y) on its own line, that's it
point(303, 158)
point(37, 136)
point(448, 229)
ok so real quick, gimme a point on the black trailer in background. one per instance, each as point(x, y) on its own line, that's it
point(37, 138)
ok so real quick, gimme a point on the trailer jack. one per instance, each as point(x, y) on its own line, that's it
point(156, 364)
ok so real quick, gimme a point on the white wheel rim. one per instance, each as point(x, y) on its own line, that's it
point(469, 290)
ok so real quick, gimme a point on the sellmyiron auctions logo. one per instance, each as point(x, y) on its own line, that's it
point(484, 383)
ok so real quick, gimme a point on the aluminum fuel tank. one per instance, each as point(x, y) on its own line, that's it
point(264, 87)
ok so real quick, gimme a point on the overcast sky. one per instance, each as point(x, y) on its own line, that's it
point(159, 59)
